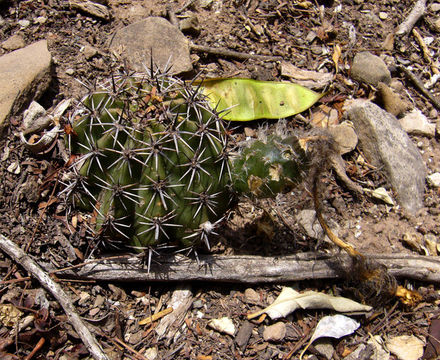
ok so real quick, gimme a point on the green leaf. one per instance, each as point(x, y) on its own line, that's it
point(247, 99)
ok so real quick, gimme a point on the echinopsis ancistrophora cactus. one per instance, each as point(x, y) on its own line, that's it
point(152, 162)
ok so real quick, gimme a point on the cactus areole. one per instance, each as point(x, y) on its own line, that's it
point(153, 165)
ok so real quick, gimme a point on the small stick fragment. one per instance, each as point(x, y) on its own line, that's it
point(415, 14)
point(20, 257)
point(425, 50)
point(232, 54)
point(155, 317)
point(37, 347)
point(419, 85)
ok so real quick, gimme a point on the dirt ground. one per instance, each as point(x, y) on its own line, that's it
point(301, 32)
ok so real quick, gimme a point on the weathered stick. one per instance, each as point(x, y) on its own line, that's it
point(20, 257)
point(419, 85)
point(251, 269)
point(232, 54)
point(415, 14)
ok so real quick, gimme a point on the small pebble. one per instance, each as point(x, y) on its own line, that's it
point(197, 304)
point(70, 71)
point(383, 15)
point(41, 20)
point(275, 332)
point(434, 180)
point(435, 7)
point(24, 23)
point(251, 296)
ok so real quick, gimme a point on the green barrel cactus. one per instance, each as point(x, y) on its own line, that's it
point(154, 163)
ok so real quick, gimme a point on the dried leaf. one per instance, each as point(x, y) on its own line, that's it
point(310, 79)
point(9, 314)
point(290, 300)
point(335, 326)
point(247, 99)
point(336, 56)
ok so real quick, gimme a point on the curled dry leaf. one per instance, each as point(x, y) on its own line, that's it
point(335, 326)
point(9, 314)
point(290, 300)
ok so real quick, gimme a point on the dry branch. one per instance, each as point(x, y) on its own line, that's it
point(20, 257)
point(251, 269)
point(415, 14)
point(232, 54)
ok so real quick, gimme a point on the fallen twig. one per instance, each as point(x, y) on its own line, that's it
point(415, 14)
point(419, 85)
point(252, 269)
point(425, 51)
point(232, 54)
point(20, 257)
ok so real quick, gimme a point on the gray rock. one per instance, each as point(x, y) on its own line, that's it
point(370, 69)
point(190, 25)
point(387, 145)
point(24, 76)
point(308, 221)
point(15, 42)
point(324, 347)
point(275, 332)
point(416, 123)
point(169, 46)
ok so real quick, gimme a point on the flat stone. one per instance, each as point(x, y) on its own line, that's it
point(416, 123)
point(387, 145)
point(251, 296)
point(14, 42)
point(275, 332)
point(243, 335)
point(406, 347)
point(169, 46)
point(370, 69)
point(24, 76)
point(324, 347)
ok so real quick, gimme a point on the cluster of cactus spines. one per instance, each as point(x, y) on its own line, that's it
point(154, 163)
point(271, 164)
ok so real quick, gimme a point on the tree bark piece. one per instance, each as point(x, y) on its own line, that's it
point(252, 269)
point(20, 257)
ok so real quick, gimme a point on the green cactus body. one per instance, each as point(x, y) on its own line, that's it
point(153, 162)
point(269, 166)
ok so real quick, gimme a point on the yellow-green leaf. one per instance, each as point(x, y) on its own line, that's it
point(247, 99)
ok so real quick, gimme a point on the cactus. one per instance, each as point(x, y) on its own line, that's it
point(152, 161)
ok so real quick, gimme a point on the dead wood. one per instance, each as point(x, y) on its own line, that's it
point(251, 269)
point(416, 13)
point(20, 257)
point(232, 54)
